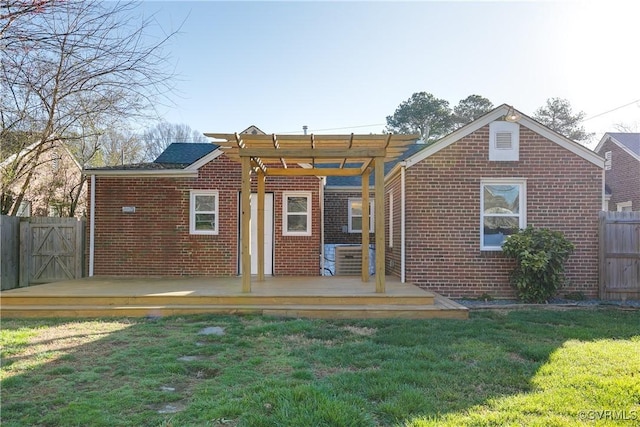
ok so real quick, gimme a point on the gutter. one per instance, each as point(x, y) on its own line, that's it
point(402, 224)
point(156, 173)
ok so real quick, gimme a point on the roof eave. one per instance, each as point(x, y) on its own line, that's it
point(153, 173)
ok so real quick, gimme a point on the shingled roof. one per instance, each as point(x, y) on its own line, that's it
point(629, 140)
point(185, 153)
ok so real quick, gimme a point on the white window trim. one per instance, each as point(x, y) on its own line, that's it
point(285, 213)
point(192, 211)
point(522, 220)
point(350, 215)
point(620, 206)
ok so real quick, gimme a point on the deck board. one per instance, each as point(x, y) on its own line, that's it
point(319, 297)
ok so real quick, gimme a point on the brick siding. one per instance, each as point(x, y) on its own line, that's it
point(155, 240)
point(443, 214)
point(623, 178)
point(336, 217)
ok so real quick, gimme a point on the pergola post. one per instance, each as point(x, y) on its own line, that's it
point(246, 224)
point(379, 221)
point(261, 254)
point(365, 225)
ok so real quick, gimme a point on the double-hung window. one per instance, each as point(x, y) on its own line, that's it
point(355, 216)
point(502, 211)
point(203, 212)
point(296, 214)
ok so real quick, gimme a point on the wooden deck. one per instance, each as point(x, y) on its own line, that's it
point(312, 297)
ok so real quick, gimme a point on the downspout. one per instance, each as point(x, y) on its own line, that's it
point(321, 196)
point(402, 225)
point(92, 225)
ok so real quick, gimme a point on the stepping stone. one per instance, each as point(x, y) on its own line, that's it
point(190, 358)
point(168, 389)
point(212, 330)
point(170, 409)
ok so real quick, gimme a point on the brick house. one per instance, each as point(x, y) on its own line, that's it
point(179, 216)
point(450, 205)
point(622, 170)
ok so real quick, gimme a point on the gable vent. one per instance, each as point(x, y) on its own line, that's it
point(503, 140)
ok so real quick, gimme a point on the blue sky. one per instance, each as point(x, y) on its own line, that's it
point(339, 67)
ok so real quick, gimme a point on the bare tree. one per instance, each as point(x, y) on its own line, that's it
point(78, 62)
point(627, 127)
point(157, 138)
point(14, 10)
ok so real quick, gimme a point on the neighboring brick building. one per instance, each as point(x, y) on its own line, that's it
point(179, 216)
point(622, 170)
point(459, 197)
point(56, 187)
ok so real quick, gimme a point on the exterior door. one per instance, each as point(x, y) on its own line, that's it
point(268, 235)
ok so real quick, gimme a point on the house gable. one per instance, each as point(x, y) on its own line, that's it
point(444, 231)
point(523, 120)
point(629, 142)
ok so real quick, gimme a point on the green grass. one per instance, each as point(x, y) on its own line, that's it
point(530, 367)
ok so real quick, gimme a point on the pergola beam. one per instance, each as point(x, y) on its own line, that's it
point(245, 225)
point(313, 172)
point(365, 225)
point(379, 221)
point(276, 145)
point(295, 153)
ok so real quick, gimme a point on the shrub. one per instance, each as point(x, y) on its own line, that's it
point(540, 255)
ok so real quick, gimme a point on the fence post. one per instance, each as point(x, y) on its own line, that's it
point(25, 252)
point(602, 233)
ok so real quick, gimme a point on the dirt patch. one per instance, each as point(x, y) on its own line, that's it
point(361, 331)
point(300, 340)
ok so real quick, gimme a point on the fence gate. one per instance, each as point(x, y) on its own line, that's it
point(619, 255)
point(51, 250)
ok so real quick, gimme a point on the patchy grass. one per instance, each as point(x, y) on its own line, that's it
point(531, 367)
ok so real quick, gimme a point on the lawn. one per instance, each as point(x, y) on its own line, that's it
point(524, 367)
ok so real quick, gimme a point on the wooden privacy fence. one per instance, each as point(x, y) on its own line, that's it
point(45, 250)
point(619, 255)
point(9, 251)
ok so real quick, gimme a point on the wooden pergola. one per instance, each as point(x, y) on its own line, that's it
point(313, 155)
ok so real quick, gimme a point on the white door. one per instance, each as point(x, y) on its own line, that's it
point(268, 234)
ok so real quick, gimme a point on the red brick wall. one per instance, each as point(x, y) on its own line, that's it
point(155, 240)
point(336, 216)
point(443, 214)
point(623, 178)
point(393, 249)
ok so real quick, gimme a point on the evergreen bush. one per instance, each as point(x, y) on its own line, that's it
point(540, 255)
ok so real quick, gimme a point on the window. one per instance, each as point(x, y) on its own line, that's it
point(55, 210)
point(502, 211)
point(607, 160)
point(24, 210)
point(203, 212)
point(296, 214)
point(624, 206)
point(355, 216)
point(55, 162)
point(504, 138)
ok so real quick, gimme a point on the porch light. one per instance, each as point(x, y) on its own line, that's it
point(512, 115)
